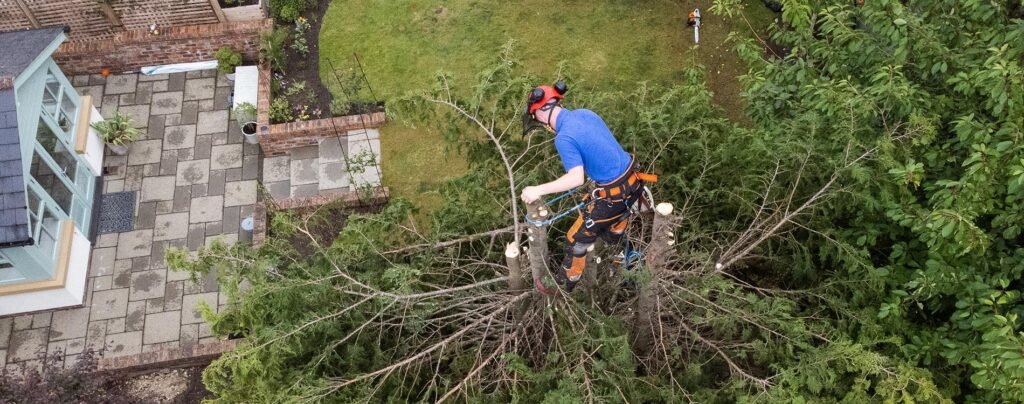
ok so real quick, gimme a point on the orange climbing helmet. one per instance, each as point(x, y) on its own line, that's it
point(539, 98)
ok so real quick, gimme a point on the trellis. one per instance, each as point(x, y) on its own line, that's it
point(99, 19)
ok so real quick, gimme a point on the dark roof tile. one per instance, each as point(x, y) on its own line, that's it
point(22, 47)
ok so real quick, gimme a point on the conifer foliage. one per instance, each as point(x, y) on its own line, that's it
point(860, 242)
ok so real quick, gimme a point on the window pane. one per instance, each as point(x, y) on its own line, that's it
point(65, 160)
point(84, 181)
point(51, 184)
point(48, 234)
point(68, 107)
point(33, 210)
point(50, 94)
point(78, 211)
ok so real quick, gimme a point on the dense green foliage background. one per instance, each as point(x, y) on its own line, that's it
point(897, 124)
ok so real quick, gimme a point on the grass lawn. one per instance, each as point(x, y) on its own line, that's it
point(614, 43)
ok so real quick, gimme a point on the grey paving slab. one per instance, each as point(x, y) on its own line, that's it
point(103, 261)
point(40, 320)
point(69, 324)
point(159, 86)
point(180, 137)
point(226, 156)
point(152, 77)
point(96, 92)
point(303, 153)
point(216, 184)
point(75, 346)
point(95, 337)
point(115, 325)
point(128, 343)
point(331, 150)
point(204, 144)
point(212, 122)
point(144, 152)
point(304, 171)
point(171, 226)
point(122, 273)
point(176, 82)
point(302, 191)
point(6, 326)
point(162, 327)
point(231, 220)
point(333, 176)
point(158, 188)
point(156, 128)
point(190, 307)
point(196, 235)
point(226, 239)
point(240, 193)
point(134, 244)
point(28, 344)
point(106, 240)
point(109, 304)
point(113, 186)
point(280, 189)
point(146, 216)
point(147, 285)
point(172, 295)
point(166, 103)
point(136, 317)
point(197, 89)
point(193, 172)
point(108, 106)
point(189, 334)
point(23, 322)
point(103, 282)
point(276, 169)
point(121, 84)
point(206, 209)
point(189, 113)
point(182, 198)
point(139, 114)
point(250, 167)
point(143, 93)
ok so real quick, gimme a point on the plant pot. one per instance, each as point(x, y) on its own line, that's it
point(249, 131)
point(230, 76)
point(118, 149)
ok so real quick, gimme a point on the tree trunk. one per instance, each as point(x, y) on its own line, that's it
point(660, 250)
point(538, 238)
point(515, 270)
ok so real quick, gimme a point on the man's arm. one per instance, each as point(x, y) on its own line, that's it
point(570, 180)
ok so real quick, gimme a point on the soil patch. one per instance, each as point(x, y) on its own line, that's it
point(306, 67)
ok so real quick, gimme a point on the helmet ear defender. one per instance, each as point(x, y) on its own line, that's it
point(538, 98)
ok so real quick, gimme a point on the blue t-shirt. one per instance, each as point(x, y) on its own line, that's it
point(584, 140)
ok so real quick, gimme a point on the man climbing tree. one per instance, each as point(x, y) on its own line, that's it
point(586, 147)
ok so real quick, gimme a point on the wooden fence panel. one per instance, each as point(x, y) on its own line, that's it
point(87, 21)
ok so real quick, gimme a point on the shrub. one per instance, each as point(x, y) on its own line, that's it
point(280, 111)
point(288, 10)
point(272, 49)
point(77, 384)
point(227, 60)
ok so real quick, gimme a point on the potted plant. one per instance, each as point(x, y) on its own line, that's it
point(227, 60)
point(245, 114)
point(117, 132)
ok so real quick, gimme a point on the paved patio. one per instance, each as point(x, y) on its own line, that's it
point(195, 180)
point(337, 164)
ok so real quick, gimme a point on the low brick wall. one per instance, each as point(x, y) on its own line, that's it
point(130, 50)
point(278, 139)
point(352, 199)
point(189, 355)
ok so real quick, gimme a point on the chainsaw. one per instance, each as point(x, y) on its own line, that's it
point(694, 21)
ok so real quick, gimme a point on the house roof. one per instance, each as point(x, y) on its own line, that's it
point(13, 214)
point(22, 47)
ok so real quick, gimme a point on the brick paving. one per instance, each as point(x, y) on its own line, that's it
point(196, 181)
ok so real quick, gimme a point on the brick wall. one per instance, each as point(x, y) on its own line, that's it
point(130, 50)
point(278, 139)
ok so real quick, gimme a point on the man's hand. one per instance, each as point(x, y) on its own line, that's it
point(531, 194)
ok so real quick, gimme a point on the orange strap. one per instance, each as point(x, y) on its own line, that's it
point(647, 177)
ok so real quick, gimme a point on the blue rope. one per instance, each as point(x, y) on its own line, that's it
point(553, 219)
point(561, 214)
